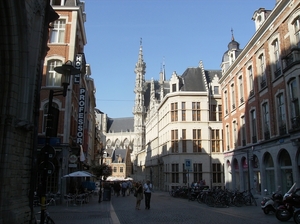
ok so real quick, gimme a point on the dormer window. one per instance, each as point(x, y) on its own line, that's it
point(174, 87)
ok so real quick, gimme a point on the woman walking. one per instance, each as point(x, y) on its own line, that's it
point(139, 195)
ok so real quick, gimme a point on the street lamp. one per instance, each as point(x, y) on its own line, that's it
point(48, 152)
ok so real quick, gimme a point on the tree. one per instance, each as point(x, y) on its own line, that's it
point(102, 171)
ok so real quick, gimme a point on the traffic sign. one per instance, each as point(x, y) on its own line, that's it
point(188, 164)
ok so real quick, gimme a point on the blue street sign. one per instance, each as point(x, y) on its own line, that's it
point(188, 164)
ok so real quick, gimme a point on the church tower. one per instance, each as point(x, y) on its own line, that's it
point(139, 108)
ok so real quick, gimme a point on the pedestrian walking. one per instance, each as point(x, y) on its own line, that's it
point(124, 188)
point(147, 192)
point(129, 187)
point(139, 195)
point(117, 188)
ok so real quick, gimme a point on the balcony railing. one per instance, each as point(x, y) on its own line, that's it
point(291, 59)
point(282, 129)
point(263, 84)
point(251, 93)
point(242, 100)
point(295, 122)
point(277, 73)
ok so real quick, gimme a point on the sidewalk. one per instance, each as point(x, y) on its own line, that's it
point(91, 213)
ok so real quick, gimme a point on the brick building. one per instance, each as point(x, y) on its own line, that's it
point(74, 117)
point(260, 92)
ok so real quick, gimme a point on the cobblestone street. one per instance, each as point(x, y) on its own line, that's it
point(164, 209)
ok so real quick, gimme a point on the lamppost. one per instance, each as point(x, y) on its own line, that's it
point(48, 152)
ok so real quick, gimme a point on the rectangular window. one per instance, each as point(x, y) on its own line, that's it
point(295, 113)
point(253, 126)
point(213, 112)
point(243, 131)
point(215, 140)
point(197, 140)
point(121, 169)
point(184, 140)
point(235, 133)
point(197, 169)
point(297, 31)
point(281, 114)
point(53, 78)
point(173, 87)
point(226, 102)
point(217, 173)
point(277, 65)
point(216, 90)
point(115, 169)
point(266, 122)
point(174, 141)
point(241, 88)
point(57, 33)
point(196, 111)
point(227, 138)
point(175, 173)
point(262, 71)
point(174, 112)
point(251, 81)
point(232, 97)
point(220, 112)
point(183, 111)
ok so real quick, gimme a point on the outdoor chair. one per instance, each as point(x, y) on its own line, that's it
point(80, 199)
point(69, 199)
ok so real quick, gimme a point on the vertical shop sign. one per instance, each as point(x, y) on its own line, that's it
point(78, 65)
point(81, 116)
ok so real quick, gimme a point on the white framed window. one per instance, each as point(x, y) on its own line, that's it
point(251, 81)
point(281, 118)
point(262, 71)
point(232, 97)
point(226, 102)
point(253, 126)
point(266, 120)
point(53, 78)
point(294, 100)
point(227, 138)
point(57, 33)
point(296, 25)
point(276, 59)
point(235, 133)
point(241, 89)
point(243, 131)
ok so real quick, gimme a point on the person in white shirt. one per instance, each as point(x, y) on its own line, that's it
point(147, 192)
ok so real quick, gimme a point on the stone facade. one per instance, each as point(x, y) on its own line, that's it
point(23, 48)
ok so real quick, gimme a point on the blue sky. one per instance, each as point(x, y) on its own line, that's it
point(179, 33)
